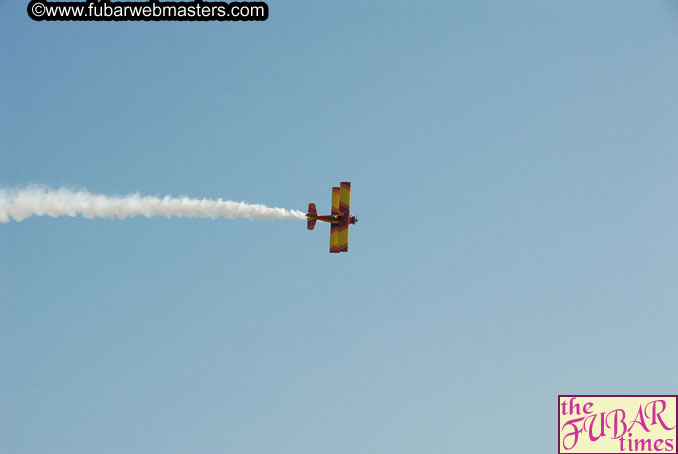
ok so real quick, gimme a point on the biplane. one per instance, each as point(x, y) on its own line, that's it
point(339, 219)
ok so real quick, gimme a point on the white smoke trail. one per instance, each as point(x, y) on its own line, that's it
point(19, 204)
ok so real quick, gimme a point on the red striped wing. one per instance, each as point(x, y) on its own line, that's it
point(345, 208)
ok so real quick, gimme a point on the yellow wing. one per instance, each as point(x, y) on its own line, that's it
point(345, 198)
point(335, 200)
point(345, 208)
point(334, 238)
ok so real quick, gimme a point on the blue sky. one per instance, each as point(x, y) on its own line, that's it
point(514, 172)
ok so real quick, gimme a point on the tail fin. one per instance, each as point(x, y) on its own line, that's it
point(311, 216)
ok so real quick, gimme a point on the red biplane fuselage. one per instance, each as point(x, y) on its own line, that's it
point(339, 220)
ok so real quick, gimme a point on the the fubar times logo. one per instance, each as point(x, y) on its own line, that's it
point(617, 424)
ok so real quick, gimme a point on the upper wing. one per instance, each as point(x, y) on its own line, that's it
point(345, 208)
point(345, 198)
point(342, 240)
